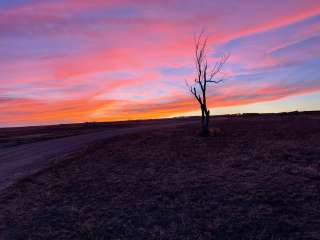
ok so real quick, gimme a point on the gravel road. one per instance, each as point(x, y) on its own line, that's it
point(23, 160)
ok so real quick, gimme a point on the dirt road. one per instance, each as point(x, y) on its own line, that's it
point(20, 161)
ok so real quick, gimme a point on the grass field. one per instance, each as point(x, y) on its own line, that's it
point(257, 177)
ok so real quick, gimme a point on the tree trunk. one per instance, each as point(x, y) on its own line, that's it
point(202, 117)
point(205, 122)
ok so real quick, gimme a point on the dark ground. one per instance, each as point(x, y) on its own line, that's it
point(14, 136)
point(258, 177)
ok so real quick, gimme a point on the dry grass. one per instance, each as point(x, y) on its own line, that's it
point(256, 178)
point(10, 137)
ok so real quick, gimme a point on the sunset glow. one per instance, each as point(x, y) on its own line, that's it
point(77, 60)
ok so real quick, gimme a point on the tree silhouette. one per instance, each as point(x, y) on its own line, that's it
point(205, 75)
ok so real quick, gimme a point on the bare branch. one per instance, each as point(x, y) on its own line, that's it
point(218, 66)
point(193, 90)
point(213, 81)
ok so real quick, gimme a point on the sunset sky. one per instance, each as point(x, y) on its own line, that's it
point(105, 60)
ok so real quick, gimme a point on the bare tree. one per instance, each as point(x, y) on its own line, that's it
point(205, 75)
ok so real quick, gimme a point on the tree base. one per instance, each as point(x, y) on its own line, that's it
point(205, 133)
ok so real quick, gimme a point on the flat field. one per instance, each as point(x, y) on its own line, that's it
point(256, 177)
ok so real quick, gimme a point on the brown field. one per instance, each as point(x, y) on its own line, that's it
point(10, 137)
point(256, 177)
